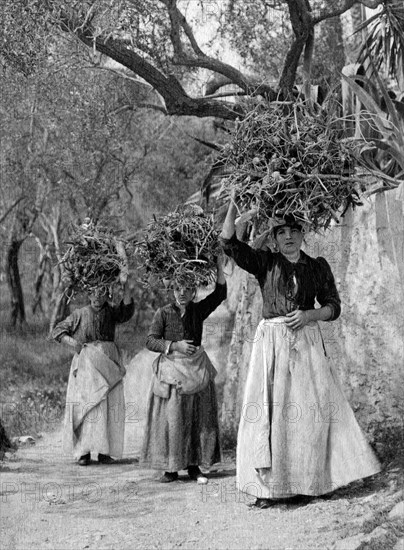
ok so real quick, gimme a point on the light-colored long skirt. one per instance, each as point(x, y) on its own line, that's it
point(297, 433)
point(95, 407)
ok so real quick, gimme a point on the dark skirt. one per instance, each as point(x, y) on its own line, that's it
point(182, 430)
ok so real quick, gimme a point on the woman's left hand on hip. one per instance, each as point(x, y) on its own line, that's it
point(296, 319)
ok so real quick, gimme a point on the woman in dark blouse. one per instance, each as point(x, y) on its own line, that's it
point(182, 425)
point(95, 407)
point(297, 433)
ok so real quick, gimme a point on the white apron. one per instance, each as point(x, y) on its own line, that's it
point(95, 408)
point(297, 432)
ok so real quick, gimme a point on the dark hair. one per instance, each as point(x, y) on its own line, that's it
point(289, 222)
point(189, 286)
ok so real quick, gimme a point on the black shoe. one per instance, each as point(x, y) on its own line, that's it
point(262, 503)
point(168, 477)
point(105, 459)
point(84, 460)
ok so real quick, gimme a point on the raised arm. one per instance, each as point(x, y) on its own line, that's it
point(253, 261)
point(126, 308)
point(210, 303)
point(229, 225)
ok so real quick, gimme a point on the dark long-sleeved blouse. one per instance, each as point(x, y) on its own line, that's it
point(168, 325)
point(286, 286)
point(89, 325)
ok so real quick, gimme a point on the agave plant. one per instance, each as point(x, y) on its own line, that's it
point(384, 44)
point(386, 117)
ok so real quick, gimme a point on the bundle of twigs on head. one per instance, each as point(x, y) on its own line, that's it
point(182, 246)
point(290, 159)
point(93, 259)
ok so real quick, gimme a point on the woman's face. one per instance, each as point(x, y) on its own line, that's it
point(98, 298)
point(184, 294)
point(289, 240)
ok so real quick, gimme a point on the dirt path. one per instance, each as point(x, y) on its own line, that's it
point(48, 502)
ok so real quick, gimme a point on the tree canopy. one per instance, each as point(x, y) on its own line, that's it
point(156, 41)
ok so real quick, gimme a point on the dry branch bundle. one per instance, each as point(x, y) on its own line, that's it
point(181, 246)
point(288, 159)
point(93, 259)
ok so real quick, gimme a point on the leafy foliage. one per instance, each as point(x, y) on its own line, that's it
point(157, 41)
point(261, 33)
point(384, 44)
point(25, 41)
point(388, 125)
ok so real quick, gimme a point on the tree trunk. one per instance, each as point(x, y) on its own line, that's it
point(17, 313)
point(59, 302)
point(5, 443)
point(41, 300)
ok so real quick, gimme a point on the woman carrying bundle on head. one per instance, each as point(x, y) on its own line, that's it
point(297, 434)
point(182, 425)
point(95, 406)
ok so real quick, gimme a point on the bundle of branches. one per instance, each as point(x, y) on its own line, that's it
point(181, 246)
point(94, 258)
point(289, 159)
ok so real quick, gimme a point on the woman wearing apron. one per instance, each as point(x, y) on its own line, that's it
point(298, 434)
point(182, 425)
point(95, 407)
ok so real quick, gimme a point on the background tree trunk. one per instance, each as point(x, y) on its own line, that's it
point(41, 301)
point(17, 312)
point(59, 302)
point(5, 443)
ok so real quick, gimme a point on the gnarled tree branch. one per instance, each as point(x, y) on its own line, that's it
point(302, 24)
point(177, 101)
point(188, 53)
point(204, 61)
point(178, 22)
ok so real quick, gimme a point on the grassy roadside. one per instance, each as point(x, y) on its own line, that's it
point(34, 375)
